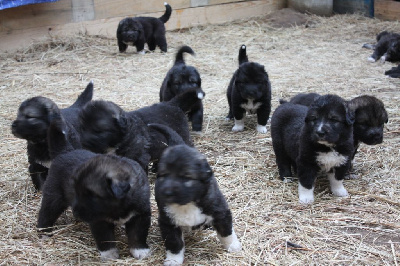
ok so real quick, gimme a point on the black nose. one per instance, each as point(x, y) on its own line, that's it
point(321, 133)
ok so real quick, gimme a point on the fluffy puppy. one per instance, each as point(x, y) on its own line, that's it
point(302, 98)
point(370, 117)
point(180, 78)
point(394, 72)
point(188, 195)
point(103, 190)
point(32, 122)
point(137, 31)
point(387, 47)
point(314, 140)
point(249, 91)
point(106, 127)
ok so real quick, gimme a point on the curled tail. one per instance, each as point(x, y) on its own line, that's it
point(242, 55)
point(57, 136)
point(84, 97)
point(179, 54)
point(188, 99)
point(173, 138)
point(168, 10)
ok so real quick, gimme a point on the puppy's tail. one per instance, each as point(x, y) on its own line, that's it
point(188, 99)
point(179, 54)
point(57, 136)
point(243, 55)
point(168, 10)
point(85, 96)
point(173, 138)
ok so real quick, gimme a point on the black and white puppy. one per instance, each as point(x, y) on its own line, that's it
point(387, 47)
point(32, 122)
point(302, 98)
point(106, 127)
point(314, 140)
point(188, 196)
point(137, 31)
point(180, 78)
point(103, 190)
point(249, 91)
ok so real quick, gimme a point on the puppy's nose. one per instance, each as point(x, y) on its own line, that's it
point(321, 133)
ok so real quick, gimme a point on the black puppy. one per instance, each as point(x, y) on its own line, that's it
point(106, 127)
point(302, 98)
point(394, 72)
point(387, 47)
point(103, 190)
point(137, 31)
point(314, 140)
point(188, 195)
point(249, 91)
point(180, 78)
point(32, 122)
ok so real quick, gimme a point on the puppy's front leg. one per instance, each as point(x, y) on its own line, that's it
point(225, 232)
point(197, 119)
point(140, 46)
point(238, 114)
point(38, 175)
point(122, 46)
point(174, 244)
point(307, 175)
point(262, 118)
point(103, 233)
point(137, 229)
point(336, 181)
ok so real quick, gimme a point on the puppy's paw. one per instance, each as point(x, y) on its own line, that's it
point(306, 196)
point(111, 254)
point(340, 192)
point(231, 242)
point(174, 259)
point(262, 129)
point(383, 59)
point(140, 253)
point(371, 59)
point(337, 187)
point(351, 176)
point(142, 52)
point(239, 126)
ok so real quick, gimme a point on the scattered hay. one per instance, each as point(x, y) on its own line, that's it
point(287, 17)
point(273, 228)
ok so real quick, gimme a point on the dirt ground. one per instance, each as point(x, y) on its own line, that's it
point(324, 57)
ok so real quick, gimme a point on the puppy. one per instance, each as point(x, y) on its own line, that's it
point(394, 72)
point(302, 98)
point(249, 91)
point(187, 195)
point(32, 124)
point(180, 78)
point(137, 31)
point(102, 190)
point(106, 127)
point(314, 140)
point(387, 47)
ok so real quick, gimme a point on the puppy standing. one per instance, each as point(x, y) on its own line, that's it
point(137, 31)
point(32, 122)
point(315, 140)
point(101, 189)
point(387, 47)
point(188, 195)
point(249, 91)
point(182, 77)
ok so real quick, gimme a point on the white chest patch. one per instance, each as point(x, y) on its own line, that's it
point(187, 215)
point(250, 106)
point(329, 160)
point(122, 221)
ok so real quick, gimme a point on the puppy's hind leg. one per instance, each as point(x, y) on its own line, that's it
point(137, 229)
point(161, 41)
point(103, 233)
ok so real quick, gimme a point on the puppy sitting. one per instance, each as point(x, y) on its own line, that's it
point(249, 91)
point(314, 140)
point(387, 47)
point(32, 124)
point(180, 78)
point(188, 195)
point(101, 189)
point(137, 31)
point(106, 127)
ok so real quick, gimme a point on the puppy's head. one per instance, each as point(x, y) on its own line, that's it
point(33, 119)
point(129, 30)
point(370, 117)
point(103, 125)
point(393, 51)
point(102, 184)
point(329, 120)
point(183, 175)
point(183, 77)
point(251, 80)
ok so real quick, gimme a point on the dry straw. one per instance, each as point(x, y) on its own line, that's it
point(325, 57)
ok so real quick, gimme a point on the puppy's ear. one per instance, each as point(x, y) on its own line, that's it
point(350, 114)
point(118, 188)
point(121, 121)
point(206, 171)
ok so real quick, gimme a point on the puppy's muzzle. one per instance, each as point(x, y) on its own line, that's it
point(374, 137)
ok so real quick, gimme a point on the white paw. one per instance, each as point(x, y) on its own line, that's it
point(142, 52)
point(239, 126)
point(200, 95)
point(231, 242)
point(383, 59)
point(306, 196)
point(174, 259)
point(372, 60)
point(262, 129)
point(337, 187)
point(111, 254)
point(340, 192)
point(140, 253)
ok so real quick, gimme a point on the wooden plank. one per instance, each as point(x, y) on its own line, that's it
point(387, 10)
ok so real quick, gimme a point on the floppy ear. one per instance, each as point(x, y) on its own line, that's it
point(206, 171)
point(350, 114)
point(122, 122)
point(118, 188)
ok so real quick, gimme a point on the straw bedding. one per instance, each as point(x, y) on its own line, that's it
point(324, 57)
